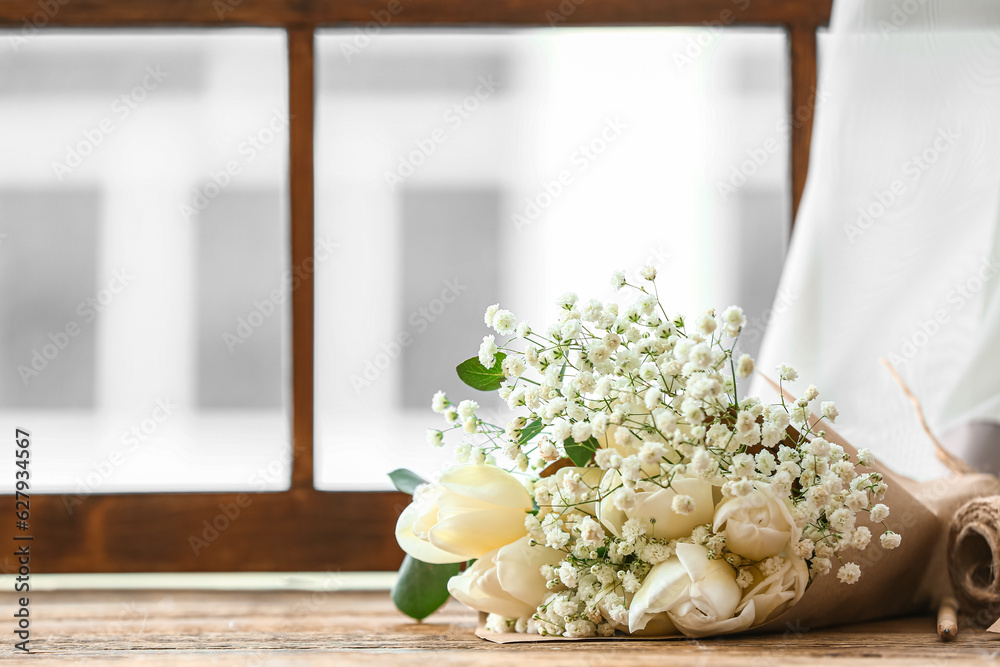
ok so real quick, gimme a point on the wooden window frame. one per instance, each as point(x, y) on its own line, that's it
point(304, 528)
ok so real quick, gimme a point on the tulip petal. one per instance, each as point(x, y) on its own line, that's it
point(419, 548)
point(479, 589)
point(775, 594)
point(714, 590)
point(610, 516)
point(487, 483)
point(472, 534)
point(519, 570)
point(666, 583)
point(658, 505)
point(757, 525)
point(697, 625)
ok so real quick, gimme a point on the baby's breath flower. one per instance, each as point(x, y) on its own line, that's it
point(567, 300)
point(820, 565)
point(706, 324)
point(490, 314)
point(439, 402)
point(803, 548)
point(829, 411)
point(849, 573)
point(787, 373)
point(467, 409)
point(435, 438)
point(733, 320)
point(744, 367)
point(861, 537)
point(682, 504)
point(865, 458)
point(504, 322)
point(890, 540)
point(879, 513)
point(607, 459)
point(487, 351)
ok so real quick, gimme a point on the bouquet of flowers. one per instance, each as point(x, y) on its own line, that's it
point(633, 491)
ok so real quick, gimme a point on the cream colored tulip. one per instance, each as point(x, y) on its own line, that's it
point(764, 600)
point(506, 581)
point(472, 510)
point(654, 507)
point(693, 591)
point(768, 597)
point(758, 525)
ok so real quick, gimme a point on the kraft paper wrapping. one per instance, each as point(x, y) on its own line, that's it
point(911, 578)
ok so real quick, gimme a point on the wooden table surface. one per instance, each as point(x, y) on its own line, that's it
point(313, 628)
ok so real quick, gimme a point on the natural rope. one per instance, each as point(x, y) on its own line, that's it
point(974, 558)
point(952, 462)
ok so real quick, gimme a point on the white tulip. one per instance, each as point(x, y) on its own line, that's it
point(768, 597)
point(654, 507)
point(758, 525)
point(696, 593)
point(506, 581)
point(472, 510)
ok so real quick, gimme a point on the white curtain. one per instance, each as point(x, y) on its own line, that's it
point(896, 250)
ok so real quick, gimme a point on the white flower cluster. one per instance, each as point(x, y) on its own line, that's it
point(650, 480)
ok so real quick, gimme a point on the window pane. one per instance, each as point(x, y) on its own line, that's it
point(457, 170)
point(143, 259)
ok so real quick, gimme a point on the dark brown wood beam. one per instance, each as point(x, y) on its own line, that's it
point(211, 532)
point(802, 44)
point(41, 13)
point(301, 109)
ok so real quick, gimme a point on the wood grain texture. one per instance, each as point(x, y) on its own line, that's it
point(802, 43)
point(413, 13)
point(273, 532)
point(301, 109)
point(331, 627)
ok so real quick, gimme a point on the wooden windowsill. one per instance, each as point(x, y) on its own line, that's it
point(209, 581)
point(319, 628)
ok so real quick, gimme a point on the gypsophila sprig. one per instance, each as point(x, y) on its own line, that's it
point(636, 464)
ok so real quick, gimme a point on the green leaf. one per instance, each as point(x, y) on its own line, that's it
point(530, 431)
point(478, 376)
point(422, 588)
point(405, 480)
point(580, 453)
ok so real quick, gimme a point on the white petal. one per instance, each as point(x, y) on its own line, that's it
point(714, 591)
point(669, 524)
point(610, 516)
point(479, 589)
point(487, 483)
point(419, 548)
point(519, 570)
point(473, 534)
point(666, 583)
